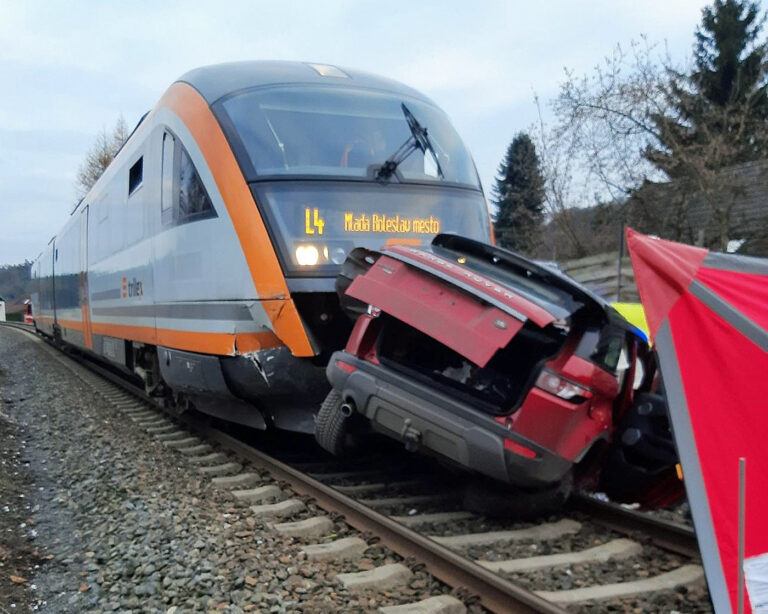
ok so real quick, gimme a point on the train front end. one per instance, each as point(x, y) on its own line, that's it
point(334, 160)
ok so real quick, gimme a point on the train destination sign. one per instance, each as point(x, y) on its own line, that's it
point(373, 222)
point(381, 222)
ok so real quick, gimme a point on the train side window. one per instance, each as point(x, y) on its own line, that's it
point(194, 202)
point(166, 197)
point(184, 198)
point(135, 175)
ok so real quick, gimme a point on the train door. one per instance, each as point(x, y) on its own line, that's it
point(165, 247)
point(85, 305)
point(54, 267)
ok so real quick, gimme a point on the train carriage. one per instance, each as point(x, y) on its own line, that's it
point(203, 260)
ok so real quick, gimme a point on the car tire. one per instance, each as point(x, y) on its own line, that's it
point(331, 428)
point(494, 499)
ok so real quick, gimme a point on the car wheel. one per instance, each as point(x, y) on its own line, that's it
point(491, 498)
point(332, 426)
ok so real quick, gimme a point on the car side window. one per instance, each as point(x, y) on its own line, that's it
point(184, 198)
point(603, 347)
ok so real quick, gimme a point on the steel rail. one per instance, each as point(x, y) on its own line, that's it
point(669, 535)
point(20, 326)
point(494, 592)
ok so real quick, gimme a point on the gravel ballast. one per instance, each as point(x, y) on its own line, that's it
point(102, 517)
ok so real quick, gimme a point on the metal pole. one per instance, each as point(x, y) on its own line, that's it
point(742, 506)
point(621, 255)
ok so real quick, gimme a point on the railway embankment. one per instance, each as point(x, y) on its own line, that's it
point(97, 516)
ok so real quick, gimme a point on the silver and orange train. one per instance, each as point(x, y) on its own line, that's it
point(203, 260)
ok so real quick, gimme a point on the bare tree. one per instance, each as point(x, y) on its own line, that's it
point(562, 237)
point(605, 120)
point(620, 130)
point(99, 156)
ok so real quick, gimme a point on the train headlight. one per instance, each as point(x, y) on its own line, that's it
point(307, 255)
point(338, 255)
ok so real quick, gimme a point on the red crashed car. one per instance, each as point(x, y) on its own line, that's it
point(504, 367)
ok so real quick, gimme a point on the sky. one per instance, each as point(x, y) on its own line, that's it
point(69, 69)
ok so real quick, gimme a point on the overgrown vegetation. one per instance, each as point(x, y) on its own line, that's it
point(15, 282)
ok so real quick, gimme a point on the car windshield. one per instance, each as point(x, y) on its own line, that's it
point(342, 132)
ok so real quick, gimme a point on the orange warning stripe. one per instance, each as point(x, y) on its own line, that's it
point(225, 344)
point(402, 241)
point(87, 328)
point(73, 324)
point(490, 225)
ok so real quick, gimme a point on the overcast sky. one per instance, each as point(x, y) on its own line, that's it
point(69, 69)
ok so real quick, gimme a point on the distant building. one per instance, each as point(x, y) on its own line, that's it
point(2, 309)
point(678, 211)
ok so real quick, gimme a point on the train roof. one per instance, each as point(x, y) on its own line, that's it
point(219, 80)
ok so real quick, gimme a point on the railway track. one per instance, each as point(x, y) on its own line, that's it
point(494, 564)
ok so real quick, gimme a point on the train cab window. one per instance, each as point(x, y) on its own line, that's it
point(184, 198)
point(135, 176)
point(343, 132)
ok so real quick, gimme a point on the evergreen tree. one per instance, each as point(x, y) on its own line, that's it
point(723, 100)
point(518, 194)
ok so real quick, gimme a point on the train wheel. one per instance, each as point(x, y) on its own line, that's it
point(491, 498)
point(332, 426)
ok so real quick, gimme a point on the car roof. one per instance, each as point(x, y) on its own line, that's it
point(220, 80)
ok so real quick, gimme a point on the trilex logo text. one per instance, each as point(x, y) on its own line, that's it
point(132, 288)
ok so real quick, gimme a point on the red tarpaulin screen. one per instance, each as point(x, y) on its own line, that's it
point(708, 314)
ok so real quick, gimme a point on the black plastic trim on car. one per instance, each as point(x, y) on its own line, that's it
point(452, 405)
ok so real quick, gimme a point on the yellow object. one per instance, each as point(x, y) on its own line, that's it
point(634, 314)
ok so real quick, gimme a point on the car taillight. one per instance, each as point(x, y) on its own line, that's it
point(559, 386)
point(517, 448)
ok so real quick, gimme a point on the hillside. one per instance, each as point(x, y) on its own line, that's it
point(14, 285)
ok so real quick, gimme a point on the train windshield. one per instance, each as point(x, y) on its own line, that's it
point(315, 224)
point(344, 133)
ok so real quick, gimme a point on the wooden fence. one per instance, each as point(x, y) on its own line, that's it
point(600, 273)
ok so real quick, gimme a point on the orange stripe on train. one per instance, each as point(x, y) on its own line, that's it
point(191, 341)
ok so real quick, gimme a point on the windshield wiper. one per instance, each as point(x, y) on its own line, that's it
point(419, 139)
